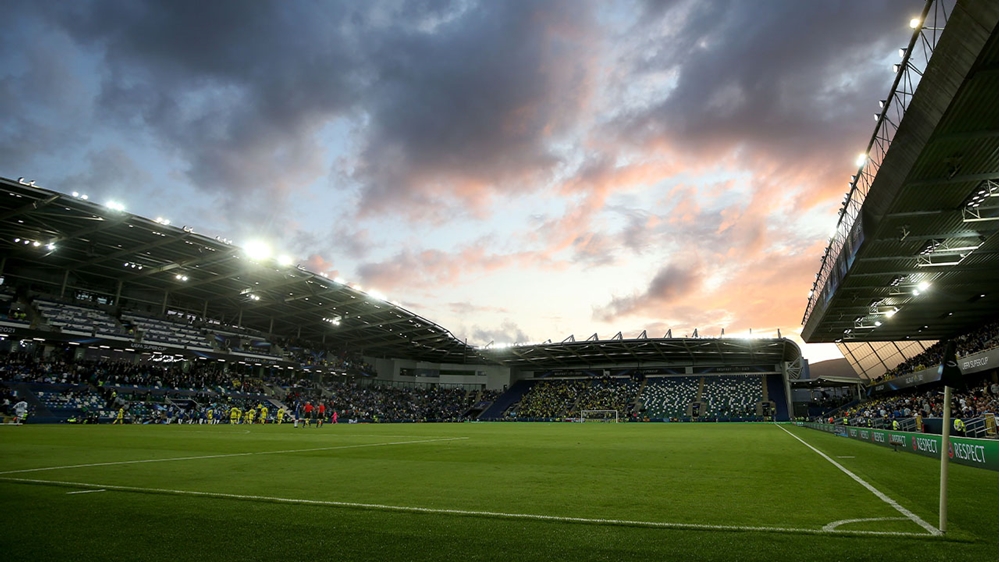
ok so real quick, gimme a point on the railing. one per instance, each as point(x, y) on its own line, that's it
point(914, 59)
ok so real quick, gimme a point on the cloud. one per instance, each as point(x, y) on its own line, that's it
point(670, 285)
point(431, 269)
point(506, 332)
point(771, 81)
point(468, 112)
point(468, 308)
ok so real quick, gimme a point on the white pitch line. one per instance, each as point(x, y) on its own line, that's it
point(909, 514)
point(835, 524)
point(228, 455)
point(467, 513)
point(85, 492)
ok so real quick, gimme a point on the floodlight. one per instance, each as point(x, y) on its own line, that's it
point(861, 159)
point(890, 313)
point(257, 250)
point(914, 23)
point(896, 67)
point(284, 260)
point(902, 52)
point(877, 323)
point(339, 280)
point(923, 285)
point(881, 104)
point(115, 206)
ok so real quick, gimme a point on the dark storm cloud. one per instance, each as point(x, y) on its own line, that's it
point(237, 89)
point(785, 77)
point(467, 111)
point(452, 100)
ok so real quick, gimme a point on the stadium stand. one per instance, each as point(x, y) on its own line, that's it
point(732, 396)
point(74, 319)
point(157, 330)
point(668, 397)
point(980, 339)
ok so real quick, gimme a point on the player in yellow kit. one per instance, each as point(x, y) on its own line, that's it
point(234, 416)
point(248, 418)
point(120, 418)
point(281, 415)
point(263, 414)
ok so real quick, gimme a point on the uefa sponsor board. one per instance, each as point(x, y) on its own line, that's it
point(981, 453)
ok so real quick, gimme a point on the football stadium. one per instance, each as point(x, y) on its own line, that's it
point(169, 394)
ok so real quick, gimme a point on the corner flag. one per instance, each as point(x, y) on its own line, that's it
point(951, 375)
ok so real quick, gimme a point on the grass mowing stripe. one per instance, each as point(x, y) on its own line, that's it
point(228, 455)
point(909, 514)
point(469, 513)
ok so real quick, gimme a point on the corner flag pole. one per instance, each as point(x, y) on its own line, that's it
point(951, 376)
point(945, 431)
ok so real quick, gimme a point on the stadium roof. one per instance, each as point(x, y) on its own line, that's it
point(716, 352)
point(915, 255)
point(65, 244)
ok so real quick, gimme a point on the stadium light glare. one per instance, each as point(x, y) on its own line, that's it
point(161, 220)
point(257, 250)
point(339, 280)
point(877, 323)
point(915, 23)
point(861, 159)
point(923, 286)
point(891, 313)
point(284, 260)
point(377, 295)
point(115, 206)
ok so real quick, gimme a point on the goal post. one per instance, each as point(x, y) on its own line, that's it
point(606, 416)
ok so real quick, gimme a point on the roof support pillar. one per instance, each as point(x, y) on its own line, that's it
point(62, 290)
point(163, 309)
point(204, 311)
point(118, 293)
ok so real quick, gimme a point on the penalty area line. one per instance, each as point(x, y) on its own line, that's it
point(469, 513)
point(906, 512)
point(230, 455)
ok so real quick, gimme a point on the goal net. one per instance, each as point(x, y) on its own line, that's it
point(606, 416)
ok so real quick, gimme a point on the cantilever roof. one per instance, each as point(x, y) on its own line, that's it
point(917, 224)
point(106, 252)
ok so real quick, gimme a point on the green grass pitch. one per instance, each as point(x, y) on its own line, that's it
point(489, 491)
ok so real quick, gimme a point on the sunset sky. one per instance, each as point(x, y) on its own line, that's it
point(513, 171)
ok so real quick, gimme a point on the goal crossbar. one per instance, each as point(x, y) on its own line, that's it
point(607, 416)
